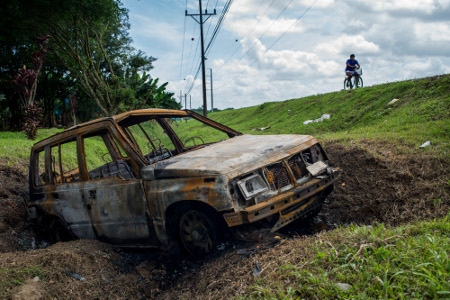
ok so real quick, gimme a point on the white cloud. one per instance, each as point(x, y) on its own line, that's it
point(276, 50)
point(345, 44)
point(265, 27)
point(410, 6)
point(434, 32)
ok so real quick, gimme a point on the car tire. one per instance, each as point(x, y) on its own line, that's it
point(197, 233)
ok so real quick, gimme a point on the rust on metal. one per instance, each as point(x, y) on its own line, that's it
point(130, 178)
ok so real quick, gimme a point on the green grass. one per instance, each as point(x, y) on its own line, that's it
point(190, 130)
point(15, 147)
point(408, 262)
point(13, 277)
point(421, 113)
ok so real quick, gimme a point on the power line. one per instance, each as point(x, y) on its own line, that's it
point(209, 26)
point(246, 36)
point(284, 33)
point(182, 49)
point(187, 63)
point(216, 30)
point(212, 38)
point(273, 22)
point(194, 60)
point(257, 59)
point(219, 24)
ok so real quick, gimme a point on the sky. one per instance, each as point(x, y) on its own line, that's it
point(276, 50)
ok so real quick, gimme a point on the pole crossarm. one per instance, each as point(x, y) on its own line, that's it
point(205, 14)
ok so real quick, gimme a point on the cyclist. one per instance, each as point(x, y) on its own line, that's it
point(350, 67)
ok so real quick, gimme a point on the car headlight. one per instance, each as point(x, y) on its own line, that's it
point(252, 186)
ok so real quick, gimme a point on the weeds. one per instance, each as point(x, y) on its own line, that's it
point(12, 277)
point(409, 262)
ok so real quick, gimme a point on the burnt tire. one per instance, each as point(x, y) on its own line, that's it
point(58, 232)
point(197, 233)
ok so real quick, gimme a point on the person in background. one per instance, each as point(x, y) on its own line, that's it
point(350, 67)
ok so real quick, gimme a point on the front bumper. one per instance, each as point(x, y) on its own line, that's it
point(290, 205)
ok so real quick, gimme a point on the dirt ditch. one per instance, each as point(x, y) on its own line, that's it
point(374, 188)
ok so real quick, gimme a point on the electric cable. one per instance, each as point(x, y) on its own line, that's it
point(284, 33)
point(246, 36)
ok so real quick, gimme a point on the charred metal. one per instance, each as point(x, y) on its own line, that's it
point(146, 177)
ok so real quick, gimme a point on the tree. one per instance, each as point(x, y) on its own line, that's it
point(90, 55)
point(93, 46)
point(147, 93)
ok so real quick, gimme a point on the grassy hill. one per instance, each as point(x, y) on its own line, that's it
point(421, 113)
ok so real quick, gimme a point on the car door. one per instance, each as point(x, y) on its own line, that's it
point(65, 188)
point(113, 196)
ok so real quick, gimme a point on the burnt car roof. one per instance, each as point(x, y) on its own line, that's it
point(151, 111)
point(135, 116)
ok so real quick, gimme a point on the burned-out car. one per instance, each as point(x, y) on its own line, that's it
point(147, 177)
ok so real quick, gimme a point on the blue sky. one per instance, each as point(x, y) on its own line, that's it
point(274, 50)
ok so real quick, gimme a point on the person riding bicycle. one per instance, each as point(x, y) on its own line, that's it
point(350, 67)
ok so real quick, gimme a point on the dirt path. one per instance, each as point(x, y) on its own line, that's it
point(373, 189)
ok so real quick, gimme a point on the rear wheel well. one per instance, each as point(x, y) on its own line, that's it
point(56, 230)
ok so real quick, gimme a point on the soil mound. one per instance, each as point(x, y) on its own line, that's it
point(374, 188)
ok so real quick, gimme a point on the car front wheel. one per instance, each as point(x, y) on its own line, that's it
point(197, 232)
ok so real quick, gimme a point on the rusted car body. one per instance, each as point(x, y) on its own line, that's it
point(147, 177)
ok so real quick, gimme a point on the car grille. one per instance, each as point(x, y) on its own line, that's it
point(296, 163)
point(280, 174)
point(281, 171)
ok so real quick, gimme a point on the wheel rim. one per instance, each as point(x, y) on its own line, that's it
point(197, 233)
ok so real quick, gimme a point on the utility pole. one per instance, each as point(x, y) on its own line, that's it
point(201, 22)
point(181, 97)
point(185, 98)
point(212, 102)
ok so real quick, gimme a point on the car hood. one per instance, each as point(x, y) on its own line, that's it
point(233, 157)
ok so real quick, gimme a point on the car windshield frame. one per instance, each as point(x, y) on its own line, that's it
point(165, 119)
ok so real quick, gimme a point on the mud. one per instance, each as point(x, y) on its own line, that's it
point(374, 188)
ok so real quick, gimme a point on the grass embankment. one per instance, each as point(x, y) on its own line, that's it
point(421, 113)
point(15, 147)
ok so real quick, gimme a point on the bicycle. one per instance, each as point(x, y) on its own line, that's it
point(357, 80)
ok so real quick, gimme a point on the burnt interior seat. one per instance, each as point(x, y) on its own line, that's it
point(117, 168)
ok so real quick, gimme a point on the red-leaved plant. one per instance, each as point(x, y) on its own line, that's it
point(26, 83)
